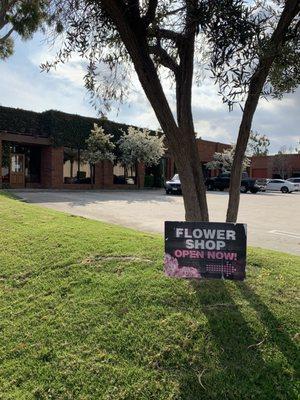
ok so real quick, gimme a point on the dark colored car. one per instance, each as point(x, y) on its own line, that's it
point(173, 186)
point(222, 182)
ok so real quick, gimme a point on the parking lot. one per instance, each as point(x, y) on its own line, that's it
point(273, 219)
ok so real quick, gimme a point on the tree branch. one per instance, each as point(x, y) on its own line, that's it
point(134, 8)
point(150, 14)
point(165, 59)
point(5, 7)
point(166, 34)
point(256, 85)
point(5, 37)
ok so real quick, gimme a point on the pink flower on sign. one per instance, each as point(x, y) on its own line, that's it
point(188, 272)
point(172, 269)
point(171, 265)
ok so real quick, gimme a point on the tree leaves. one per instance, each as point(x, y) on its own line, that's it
point(138, 145)
point(99, 146)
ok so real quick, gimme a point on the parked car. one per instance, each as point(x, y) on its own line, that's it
point(296, 182)
point(222, 182)
point(280, 185)
point(262, 184)
point(173, 185)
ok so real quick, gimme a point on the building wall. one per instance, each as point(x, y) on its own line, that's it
point(208, 148)
point(52, 161)
point(52, 167)
point(266, 166)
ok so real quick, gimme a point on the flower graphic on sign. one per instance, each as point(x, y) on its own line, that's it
point(171, 265)
point(173, 269)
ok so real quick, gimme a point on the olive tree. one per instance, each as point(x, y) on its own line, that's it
point(23, 17)
point(153, 37)
point(266, 65)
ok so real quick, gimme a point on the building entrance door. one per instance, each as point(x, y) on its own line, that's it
point(17, 171)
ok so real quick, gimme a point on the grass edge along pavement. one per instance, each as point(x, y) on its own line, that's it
point(86, 313)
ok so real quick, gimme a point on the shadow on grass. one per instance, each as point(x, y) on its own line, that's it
point(275, 328)
point(235, 365)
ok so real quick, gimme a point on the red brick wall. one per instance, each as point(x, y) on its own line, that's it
point(208, 148)
point(98, 176)
point(108, 178)
point(263, 166)
point(103, 175)
point(52, 162)
point(140, 175)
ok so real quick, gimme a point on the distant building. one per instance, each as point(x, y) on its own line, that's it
point(41, 150)
point(275, 166)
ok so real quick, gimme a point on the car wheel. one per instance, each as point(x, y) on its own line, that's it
point(243, 189)
point(284, 189)
point(221, 189)
point(210, 186)
point(253, 190)
point(168, 191)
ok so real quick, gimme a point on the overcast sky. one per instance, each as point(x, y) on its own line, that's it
point(23, 85)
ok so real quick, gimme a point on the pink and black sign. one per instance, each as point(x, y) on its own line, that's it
point(212, 250)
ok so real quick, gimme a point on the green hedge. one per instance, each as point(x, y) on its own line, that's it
point(69, 130)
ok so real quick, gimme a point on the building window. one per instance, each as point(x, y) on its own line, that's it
point(124, 175)
point(33, 165)
point(21, 159)
point(74, 171)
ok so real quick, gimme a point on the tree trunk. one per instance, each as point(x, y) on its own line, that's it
point(192, 168)
point(255, 88)
point(191, 178)
point(180, 143)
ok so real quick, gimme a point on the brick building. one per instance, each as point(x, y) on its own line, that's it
point(206, 149)
point(275, 166)
point(41, 150)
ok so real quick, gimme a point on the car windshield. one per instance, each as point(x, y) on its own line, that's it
point(175, 177)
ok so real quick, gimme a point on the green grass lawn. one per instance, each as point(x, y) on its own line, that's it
point(87, 313)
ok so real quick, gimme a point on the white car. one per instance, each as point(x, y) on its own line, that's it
point(296, 182)
point(280, 185)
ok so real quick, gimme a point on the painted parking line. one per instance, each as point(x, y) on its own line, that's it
point(283, 233)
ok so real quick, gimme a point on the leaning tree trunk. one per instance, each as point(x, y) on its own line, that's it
point(180, 143)
point(191, 170)
point(257, 82)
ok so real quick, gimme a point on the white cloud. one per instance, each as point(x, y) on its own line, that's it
point(73, 71)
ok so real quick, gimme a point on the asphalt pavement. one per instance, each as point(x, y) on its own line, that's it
point(273, 219)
